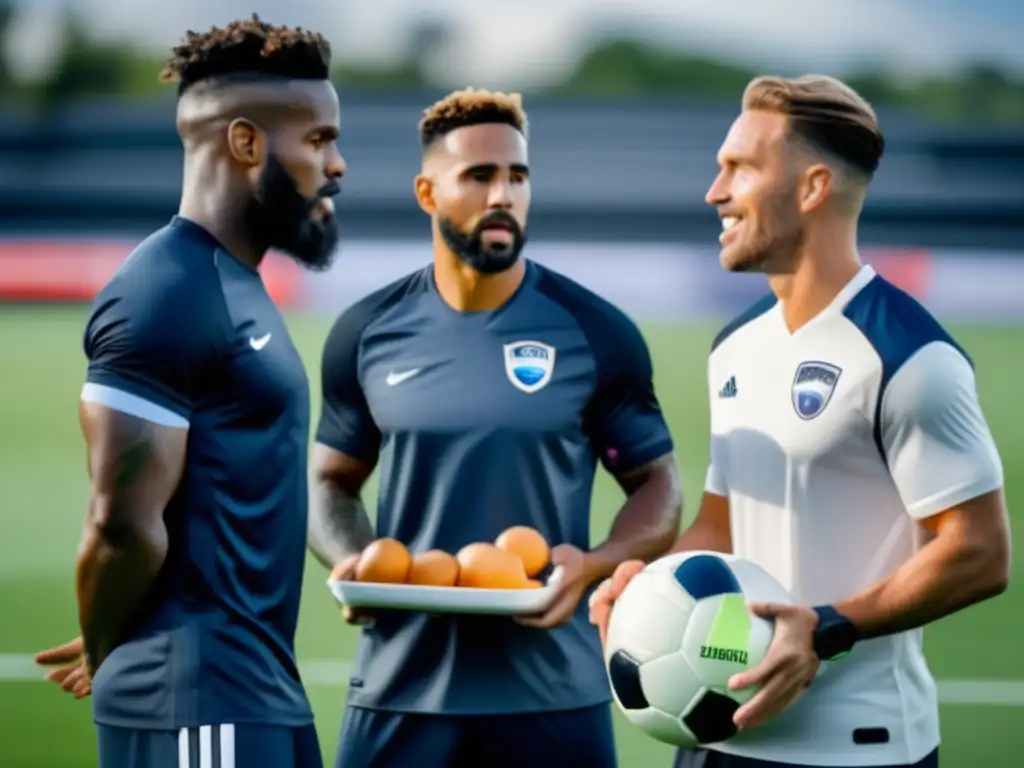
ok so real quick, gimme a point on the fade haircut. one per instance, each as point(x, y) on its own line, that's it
point(826, 115)
point(470, 107)
point(248, 50)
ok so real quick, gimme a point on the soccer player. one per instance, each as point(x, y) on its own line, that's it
point(488, 388)
point(195, 413)
point(849, 455)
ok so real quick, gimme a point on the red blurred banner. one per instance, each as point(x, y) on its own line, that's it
point(54, 270)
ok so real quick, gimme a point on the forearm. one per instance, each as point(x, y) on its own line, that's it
point(116, 569)
point(338, 523)
point(644, 529)
point(943, 577)
point(702, 535)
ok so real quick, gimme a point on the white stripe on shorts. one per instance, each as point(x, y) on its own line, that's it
point(208, 746)
point(183, 756)
point(227, 746)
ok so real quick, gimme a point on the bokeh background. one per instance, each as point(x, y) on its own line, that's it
point(628, 101)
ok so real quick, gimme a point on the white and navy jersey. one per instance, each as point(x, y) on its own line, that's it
point(830, 444)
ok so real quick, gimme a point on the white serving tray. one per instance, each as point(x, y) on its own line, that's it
point(410, 597)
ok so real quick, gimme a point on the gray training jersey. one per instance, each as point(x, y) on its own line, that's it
point(481, 421)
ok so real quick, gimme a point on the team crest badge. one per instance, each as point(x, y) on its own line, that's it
point(813, 386)
point(529, 364)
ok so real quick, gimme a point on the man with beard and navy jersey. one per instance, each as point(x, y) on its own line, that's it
point(195, 413)
point(487, 388)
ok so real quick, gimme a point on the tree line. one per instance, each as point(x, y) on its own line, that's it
point(87, 68)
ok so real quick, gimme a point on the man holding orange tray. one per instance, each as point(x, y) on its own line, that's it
point(487, 388)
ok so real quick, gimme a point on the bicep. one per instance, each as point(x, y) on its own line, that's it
point(339, 470)
point(936, 441)
point(135, 465)
point(714, 513)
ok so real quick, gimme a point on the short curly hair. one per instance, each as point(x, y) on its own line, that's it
point(471, 107)
point(248, 48)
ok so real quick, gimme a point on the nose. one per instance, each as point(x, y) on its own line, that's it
point(500, 194)
point(718, 193)
point(336, 166)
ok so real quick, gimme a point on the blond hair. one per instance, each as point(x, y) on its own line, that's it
point(471, 107)
point(824, 113)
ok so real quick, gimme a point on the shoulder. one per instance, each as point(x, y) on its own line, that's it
point(743, 319)
point(898, 327)
point(931, 381)
point(605, 325)
point(348, 328)
point(166, 289)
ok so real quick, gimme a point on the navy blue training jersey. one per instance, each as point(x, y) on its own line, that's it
point(185, 331)
point(481, 421)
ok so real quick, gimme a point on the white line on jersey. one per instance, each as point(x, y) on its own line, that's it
point(19, 667)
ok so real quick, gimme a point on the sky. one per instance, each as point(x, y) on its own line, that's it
point(532, 42)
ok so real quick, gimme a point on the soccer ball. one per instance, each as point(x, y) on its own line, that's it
point(676, 635)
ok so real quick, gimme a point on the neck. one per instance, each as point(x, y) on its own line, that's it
point(822, 266)
point(465, 289)
point(212, 198)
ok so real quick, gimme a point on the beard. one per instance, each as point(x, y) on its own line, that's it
point(485, 258)
point(282, 218)
point(770, 240)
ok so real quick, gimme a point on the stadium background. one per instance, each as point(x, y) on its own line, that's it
point(622, 149)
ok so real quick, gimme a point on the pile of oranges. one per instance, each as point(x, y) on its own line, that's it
point(511, 562)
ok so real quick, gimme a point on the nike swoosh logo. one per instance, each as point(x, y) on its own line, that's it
point(394, 379)
point(259, 343)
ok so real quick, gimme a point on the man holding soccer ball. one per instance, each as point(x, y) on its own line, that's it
point(846, 431)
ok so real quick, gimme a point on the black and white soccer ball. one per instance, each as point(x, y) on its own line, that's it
point(676, 635)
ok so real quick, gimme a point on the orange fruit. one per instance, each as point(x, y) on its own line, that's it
point(528, 544)
point(534, 584)
point(434, 569)
point(385, 561)
point(484, 566)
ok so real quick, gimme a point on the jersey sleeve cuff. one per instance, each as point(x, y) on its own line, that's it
point(634, 458)
point(133, 405)
point(952, 497)
point(347, 444)
point(714, 483)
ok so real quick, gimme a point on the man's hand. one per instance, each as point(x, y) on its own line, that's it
point(786, 670)
point(574, 583)
point(71, 670)
point(604, 597)
point(346, 571)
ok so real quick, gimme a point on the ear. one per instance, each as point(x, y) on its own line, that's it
point(423, 187)
point(815, 187)
point(246, 142)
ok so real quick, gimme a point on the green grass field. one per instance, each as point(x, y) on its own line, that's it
point(42, 492)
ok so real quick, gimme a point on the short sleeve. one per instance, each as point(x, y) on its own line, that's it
point(346, 424)
point(629, 425)
point(937, 443)
point(714, 480)
point(145, 352)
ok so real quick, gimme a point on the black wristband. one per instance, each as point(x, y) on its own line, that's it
point(835, 634)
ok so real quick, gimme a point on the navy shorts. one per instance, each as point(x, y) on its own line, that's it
point(705, 758)
point(563, 739)
point(209, 746)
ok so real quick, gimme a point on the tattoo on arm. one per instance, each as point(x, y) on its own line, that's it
point(339, 525)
